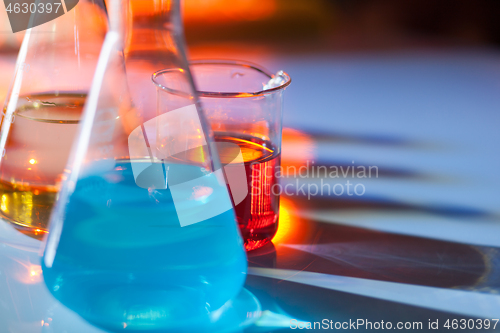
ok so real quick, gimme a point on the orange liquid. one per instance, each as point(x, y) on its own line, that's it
point(258, 213)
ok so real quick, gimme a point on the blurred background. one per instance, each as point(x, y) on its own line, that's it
point(310, 26)
point(302, 26)
point(252, 29)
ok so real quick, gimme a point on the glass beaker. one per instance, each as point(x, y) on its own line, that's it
point(41, 113)
point(244, 106)
point(143, 235)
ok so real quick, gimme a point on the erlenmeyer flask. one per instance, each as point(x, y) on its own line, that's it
point(154, 41)
point(143, 235)
point(41, 113)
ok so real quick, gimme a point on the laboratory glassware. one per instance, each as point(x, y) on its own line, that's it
point(143, 235)
point(243, 104)
point(41, 113)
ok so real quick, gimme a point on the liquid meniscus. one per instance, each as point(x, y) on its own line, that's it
point(39, 140)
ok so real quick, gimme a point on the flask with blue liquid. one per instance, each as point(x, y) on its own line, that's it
point(143, 235)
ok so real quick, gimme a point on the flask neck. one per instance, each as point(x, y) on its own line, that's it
point(154, 13)
point(154, 25)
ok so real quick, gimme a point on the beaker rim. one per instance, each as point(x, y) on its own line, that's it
point(236, 94)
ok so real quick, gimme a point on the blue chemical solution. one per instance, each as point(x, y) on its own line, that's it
point(123, 261)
